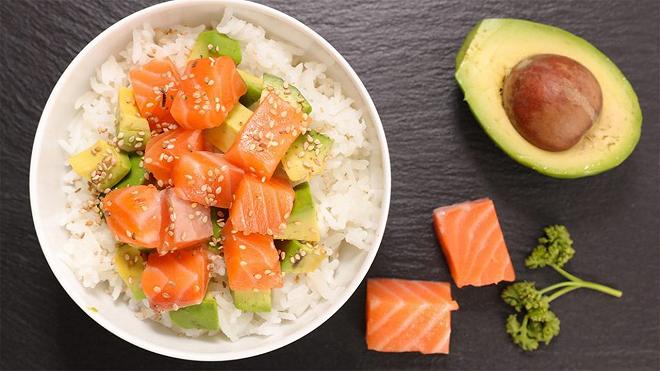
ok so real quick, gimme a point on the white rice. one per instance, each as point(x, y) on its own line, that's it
point(346, 202)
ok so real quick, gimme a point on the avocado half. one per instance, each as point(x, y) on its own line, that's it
point(494, 46)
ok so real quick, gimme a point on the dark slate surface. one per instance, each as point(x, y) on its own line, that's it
point(404, 54)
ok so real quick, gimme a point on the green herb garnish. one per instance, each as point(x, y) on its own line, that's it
point(539, 324)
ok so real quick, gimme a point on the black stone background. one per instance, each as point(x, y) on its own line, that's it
point(404, 52)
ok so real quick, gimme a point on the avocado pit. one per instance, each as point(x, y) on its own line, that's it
point(552, 100)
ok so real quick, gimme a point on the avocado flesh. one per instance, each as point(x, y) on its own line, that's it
point(302, 223)
point(494, 46)
point(129, 265)
point(223, 136)
point(253, 301)
point(137, 175)
point(306, 156)
point(301, 257)
point(200, 316)
point(215, 240)
point(286, 91)
point(101, 164)
point(215, 44)
point(133, 131)
point(254, 85)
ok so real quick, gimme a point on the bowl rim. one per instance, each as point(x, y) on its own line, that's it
point(278, 342)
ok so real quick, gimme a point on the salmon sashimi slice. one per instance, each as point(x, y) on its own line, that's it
point(473, 243)
point(262, 207)
point(206, 178)
point(252, 260)
point(266, 136)
point(164, 151)
point(409, 316)
point(210, 88)
point(155, 85)
point(185, 223)
point(177, 279)
point(133, 214)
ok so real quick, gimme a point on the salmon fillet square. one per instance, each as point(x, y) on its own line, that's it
point(473, 244)
point(409, 316)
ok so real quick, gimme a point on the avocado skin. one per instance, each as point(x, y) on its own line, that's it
point(254, 85)
point(485, 30)
point(301, 257)
point(302, 223)
point(130, 270)
point(286, 91)
point(222, 45)
point(137, 175)
point(253, 301)
point(200, 316)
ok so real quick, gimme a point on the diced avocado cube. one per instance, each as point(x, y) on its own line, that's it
point(101, 164)
point(223, 136)
point(252, 300)
point(201, 316)
point(302, 223)
point(133, 131)
point(306, 156)
point(215, 44)
point(129, 265)
point(301, 257)
point(137, 175)
point(255, 86)
point(287, 91)
point(216, 239)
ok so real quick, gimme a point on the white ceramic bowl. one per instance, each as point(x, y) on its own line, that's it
point(47, 168)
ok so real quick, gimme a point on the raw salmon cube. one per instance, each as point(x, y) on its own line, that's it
point(262, 207)
point(253, 262)
point(409, 316)
point(473, 244)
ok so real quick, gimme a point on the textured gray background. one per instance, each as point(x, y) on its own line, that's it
point(404, 54)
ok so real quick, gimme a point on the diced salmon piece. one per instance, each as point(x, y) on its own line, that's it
point(473, 243)
point(265, 138)
point(206, 178)
point(155, 85)
point(164, 150)
point(252, 260)
point(133, 214)
point(409, 316)
point(177, 279)
point(262, 207)
point(210, 87)
point(185, 223)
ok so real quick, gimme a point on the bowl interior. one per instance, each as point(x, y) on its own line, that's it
point(47, 169)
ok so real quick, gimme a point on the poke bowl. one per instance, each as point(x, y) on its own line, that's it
point(88, 247)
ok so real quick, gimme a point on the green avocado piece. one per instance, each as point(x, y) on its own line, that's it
point(491, 50)
point(253, 300)
point(223, 136)
point(133, 131)
point(129, 265)
point(216, 239)
point(215, 44)
point(285, 90)
point(255, 86)
point(101, 164)
point(137, 175)
point(306, 156)
point(200, 316)
point(301, 257)
point(302, 223)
